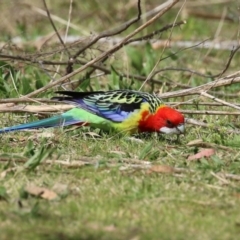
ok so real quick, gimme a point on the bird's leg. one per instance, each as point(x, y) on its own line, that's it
point(134, 139)
point(174, 140)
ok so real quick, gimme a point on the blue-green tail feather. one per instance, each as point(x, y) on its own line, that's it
point(56, 121)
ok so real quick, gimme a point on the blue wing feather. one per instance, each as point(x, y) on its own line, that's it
point(114, 114)
point(112, 105)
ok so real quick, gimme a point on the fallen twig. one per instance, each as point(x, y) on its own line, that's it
point(211, 104)
point(220, 101)
point(223, 45)
point(220, 178)
point(228, 80)
point(34, 108)
point(231, 176)
point(202, 124)
point(209, 112)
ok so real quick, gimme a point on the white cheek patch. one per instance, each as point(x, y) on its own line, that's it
point(177, 130)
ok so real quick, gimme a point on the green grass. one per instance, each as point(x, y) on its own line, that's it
point(104, 201)
point(115, 196)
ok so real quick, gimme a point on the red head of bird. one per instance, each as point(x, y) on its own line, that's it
point(164, 120)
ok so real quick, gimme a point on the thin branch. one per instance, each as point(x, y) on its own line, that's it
point(209, 126)
point(34, 109)
point(221, 179)
point(209, 112)
point(54, 27)
point(111, 33)
point(55, 18)
point(223, 45)
point(99, 67)
point(231, 176)
point(228, 80)
point(105, 54)
point(25, 100)
point(196, 103)
point(82, 161)
point(220, 101)
point(233, 52)
point(205, 15)
point(149, 36)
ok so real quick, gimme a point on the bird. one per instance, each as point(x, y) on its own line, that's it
point(125, 111)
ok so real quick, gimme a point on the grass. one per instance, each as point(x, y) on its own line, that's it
point(115, 196)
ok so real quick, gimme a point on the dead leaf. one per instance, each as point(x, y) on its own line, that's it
point(207, 152)
point(5, 172)
point(41, 192)
point(161, 169)
point(195, 142)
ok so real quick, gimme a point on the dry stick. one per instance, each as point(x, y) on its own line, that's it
point(204, 93)
point(208, 112)
point(110, 33)
point(34, 108)
point(100, 36)
point(233, 52)
point(151, 35)
point(183, 70)
point(223, 180)
point(87, 75)
point(65, 37)
point(107, 71)
point(228, 80)
point(220, 101)
point(103, 55)
point(211, 104)
point(195, 4)
point(22, 100)
point(34, 60)
point(151, 74)
point(148, 14)
point(82, 161)
point(54, 17)
point(202, 124)
point(72, 59)
point(196, 90)
point(69, 66)
point(103, 69)
point(189, 4)
point(231, 176)
point(223, 45)
point(211, 16)
point(54, 27)
point(225, 81)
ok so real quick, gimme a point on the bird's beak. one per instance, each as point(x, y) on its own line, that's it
point(181, 128)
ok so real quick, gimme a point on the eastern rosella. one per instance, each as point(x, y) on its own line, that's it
point(120, 110)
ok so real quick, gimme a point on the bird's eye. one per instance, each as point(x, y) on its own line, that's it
point(169, 123)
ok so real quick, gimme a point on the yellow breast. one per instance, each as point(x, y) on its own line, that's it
point(130, 125)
